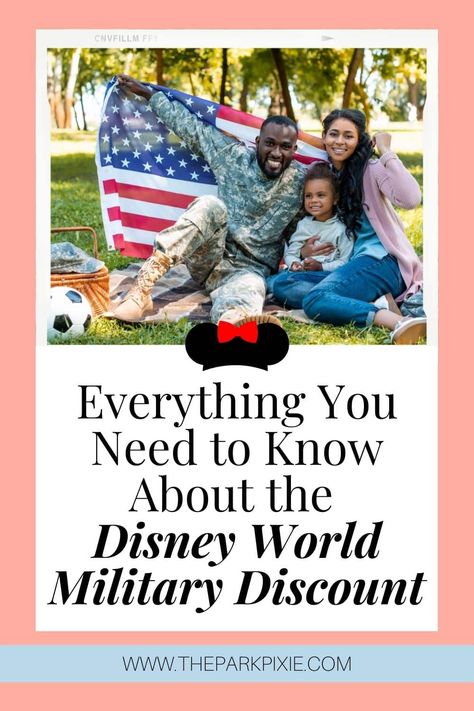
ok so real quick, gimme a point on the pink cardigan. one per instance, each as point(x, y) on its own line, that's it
point(386, 180)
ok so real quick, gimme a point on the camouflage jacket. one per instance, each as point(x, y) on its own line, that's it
point(259, 208)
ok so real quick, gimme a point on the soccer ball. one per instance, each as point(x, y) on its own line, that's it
point(69, 313)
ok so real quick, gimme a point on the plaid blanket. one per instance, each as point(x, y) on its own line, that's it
point(177, 296)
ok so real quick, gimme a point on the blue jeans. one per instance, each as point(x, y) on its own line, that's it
point(342, 296)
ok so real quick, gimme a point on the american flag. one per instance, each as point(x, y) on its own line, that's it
point(147, 175)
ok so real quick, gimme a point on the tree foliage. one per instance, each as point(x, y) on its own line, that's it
point(290, 81)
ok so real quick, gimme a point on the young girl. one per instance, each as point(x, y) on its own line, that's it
point(383, 260)
point(320, 198)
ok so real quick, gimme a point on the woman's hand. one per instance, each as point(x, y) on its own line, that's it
point(311, 249)
point(382, 142)
point(312, 265)
point(134, 86)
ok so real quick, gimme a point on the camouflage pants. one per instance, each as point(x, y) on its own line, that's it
point(235, 283)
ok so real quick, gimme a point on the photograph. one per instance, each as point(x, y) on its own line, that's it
point(235, 186)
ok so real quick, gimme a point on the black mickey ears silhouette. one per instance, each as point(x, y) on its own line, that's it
point(256, 345)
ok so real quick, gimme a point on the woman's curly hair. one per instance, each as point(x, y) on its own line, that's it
point(350, 186)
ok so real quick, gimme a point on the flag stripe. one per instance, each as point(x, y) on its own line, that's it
point(130, 248)
point(239, 117)
point(148, 209)
point(132, 234)
point(142, 222)
point(128, 177)
point(136, 192)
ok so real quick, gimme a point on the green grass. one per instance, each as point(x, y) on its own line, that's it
point(75, 201)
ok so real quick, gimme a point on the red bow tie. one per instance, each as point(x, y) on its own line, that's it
point(227, 331)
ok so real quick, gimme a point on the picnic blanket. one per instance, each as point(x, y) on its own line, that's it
point(176, 296)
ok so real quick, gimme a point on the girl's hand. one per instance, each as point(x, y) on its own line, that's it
point(311, 249)
point(134, 86)
point(296, 267)
point(312, 265)
point(382, 142)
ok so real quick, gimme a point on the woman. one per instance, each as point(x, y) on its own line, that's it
point(383, 260)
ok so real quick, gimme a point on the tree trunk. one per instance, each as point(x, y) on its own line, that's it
point(159, 67)
point(225, 66)
point(128, 63)
point(285, 91)
point(277, 104)
point(414, 97)
point(366, 107)
point(244, 94)
point(58, 108)
point(76, 117)
point(50, 84)
point(71, 83)
point(193, 90)
point(356, 62)
point(83, 112)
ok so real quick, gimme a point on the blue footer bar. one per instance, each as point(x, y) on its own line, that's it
point(237, 663)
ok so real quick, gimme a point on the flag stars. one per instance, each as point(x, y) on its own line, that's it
point(126, 102)
point(194, 175)
point(115, 109)
point(170, 171)
point(148, 126)
point(159, 138)
point(115, 130)
point(206, 169)
point(105, 118)
point(108, 158)
point(136, 154)
point(147, 146)
point(137, 134)
point(199, 114)
point(137, 114)
point(182, 163)
point(125, 121)
point(211, 109)
point(189, 102)
point(126, 142)
point(171, 151)
point(194, 156)
point(106, 138)
point(159, 158)
point(115, 150)
point(125, 163)
point(147, 166)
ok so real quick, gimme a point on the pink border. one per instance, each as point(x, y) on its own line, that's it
point(456, 483)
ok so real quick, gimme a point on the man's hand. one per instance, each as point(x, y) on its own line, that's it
point(134, 86)
point(312, 265)
point(382, 142)
point(296, 267)
point(311, 249)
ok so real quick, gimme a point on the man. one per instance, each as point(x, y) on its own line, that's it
point(230, 244)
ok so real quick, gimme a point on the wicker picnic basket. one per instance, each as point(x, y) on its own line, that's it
point(95, 286)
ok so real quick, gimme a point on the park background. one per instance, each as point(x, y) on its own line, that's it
point(388, 84)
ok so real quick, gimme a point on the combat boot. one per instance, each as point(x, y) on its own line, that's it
point(260, 318)
point(138, 303)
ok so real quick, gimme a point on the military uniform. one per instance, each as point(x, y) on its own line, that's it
point(232, 243)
